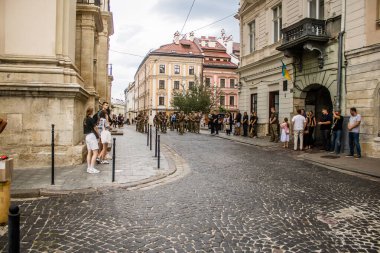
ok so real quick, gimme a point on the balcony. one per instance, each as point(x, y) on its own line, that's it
point(306, 30)
point(92, 2)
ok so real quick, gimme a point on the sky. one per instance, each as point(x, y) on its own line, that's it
point(143, 25)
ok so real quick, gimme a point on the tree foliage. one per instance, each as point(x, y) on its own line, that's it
point(196, 98)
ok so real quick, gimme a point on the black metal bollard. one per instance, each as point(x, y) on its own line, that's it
point(147, 136)
point(150, 137)
point(158, 160)
point(14, 229)
point(155, 144)
point(52, 154)
point(113, 159)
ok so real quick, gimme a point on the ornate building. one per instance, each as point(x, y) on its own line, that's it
point(53, 65)
point(181, 64)
point(174, 66)
point(219, 73)
point(329, 48)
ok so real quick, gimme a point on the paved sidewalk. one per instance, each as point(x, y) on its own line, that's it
point(365, 165)
point(135, 164)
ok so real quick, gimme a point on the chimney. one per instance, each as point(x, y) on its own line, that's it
point(176, 38)
point(191, 36)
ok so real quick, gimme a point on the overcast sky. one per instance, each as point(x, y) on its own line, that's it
point(142, 25)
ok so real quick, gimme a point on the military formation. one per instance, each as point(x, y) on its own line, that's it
point(176, 121)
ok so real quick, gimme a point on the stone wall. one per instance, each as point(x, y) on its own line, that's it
point(363, 92)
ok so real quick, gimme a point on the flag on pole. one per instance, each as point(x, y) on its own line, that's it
point(285, 72)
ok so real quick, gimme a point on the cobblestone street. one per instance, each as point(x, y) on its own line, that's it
point(236, 198)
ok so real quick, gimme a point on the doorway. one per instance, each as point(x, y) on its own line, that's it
point(317, 98)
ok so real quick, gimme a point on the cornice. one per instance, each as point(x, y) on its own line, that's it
point(74, 91)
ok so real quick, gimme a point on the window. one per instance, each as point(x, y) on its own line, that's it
point(162, 69)
point(232, 83)
point(222, 100)
point(177, 69)
point(161, 101)
point(222, 83)
point(277, 23)
point(191, 70)
point(208, 82)
point(176, 85)
point(191, 85)
point(232, 100)
point(316, 9)
point(254, 102)
point(252, 37)
point(162, 84)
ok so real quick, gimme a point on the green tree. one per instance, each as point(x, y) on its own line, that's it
point(196, 98)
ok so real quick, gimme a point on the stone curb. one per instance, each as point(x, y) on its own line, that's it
point(43, 192)
point(310, 160)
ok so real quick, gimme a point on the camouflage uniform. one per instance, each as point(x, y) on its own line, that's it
point(181, 121)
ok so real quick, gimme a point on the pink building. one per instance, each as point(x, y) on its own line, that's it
point(219, 73)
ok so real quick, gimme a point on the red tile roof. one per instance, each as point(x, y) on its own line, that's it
point(186, 47)
point(217, 54)
point(220, 64)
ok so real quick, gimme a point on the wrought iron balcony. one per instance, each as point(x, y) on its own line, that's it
point(306, 30)
point(93, 2)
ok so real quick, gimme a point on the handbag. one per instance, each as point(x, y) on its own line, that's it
point(3, 124)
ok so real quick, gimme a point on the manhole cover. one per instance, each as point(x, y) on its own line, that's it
point(330, 156)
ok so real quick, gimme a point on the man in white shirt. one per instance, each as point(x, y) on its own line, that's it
point(298, 125)
point(353, 133)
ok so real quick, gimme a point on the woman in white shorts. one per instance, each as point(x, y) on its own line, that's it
point(90, 130)
point(105, 137)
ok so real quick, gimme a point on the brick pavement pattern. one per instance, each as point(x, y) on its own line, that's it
point(236, 198)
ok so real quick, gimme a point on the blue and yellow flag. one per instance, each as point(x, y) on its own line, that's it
point(285, 72)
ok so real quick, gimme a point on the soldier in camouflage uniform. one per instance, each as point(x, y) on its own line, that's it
point(181, 122)
point(197, 119)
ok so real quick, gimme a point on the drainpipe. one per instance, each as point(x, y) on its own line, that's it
point(340, 55)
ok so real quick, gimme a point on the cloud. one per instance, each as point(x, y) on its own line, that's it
point(147, 24)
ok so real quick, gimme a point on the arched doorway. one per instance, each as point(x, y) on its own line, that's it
point(317, 97)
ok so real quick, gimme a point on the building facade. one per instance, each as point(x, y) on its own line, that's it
point(130, 104)
point(219, 73)
point(172, 67)
point(53, 65)
point(319, 41)
point(362, 58)
point(181, 64)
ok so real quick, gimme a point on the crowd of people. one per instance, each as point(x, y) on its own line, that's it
point(176, 121)
point(302, 127)
point(331, 129)
point(96, 128)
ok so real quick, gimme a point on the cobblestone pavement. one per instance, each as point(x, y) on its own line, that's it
point(134, 163)
point(236, 198)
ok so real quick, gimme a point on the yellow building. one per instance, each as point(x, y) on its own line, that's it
point(174, 66)
point(53, 65)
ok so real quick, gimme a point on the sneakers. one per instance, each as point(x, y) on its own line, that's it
point(104, 162)
point(98, 160)
point(92, 171)
point(358, 157)
point(349, 155)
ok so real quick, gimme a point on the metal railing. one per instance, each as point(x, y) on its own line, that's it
point(94, 2)
point(303, 28)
